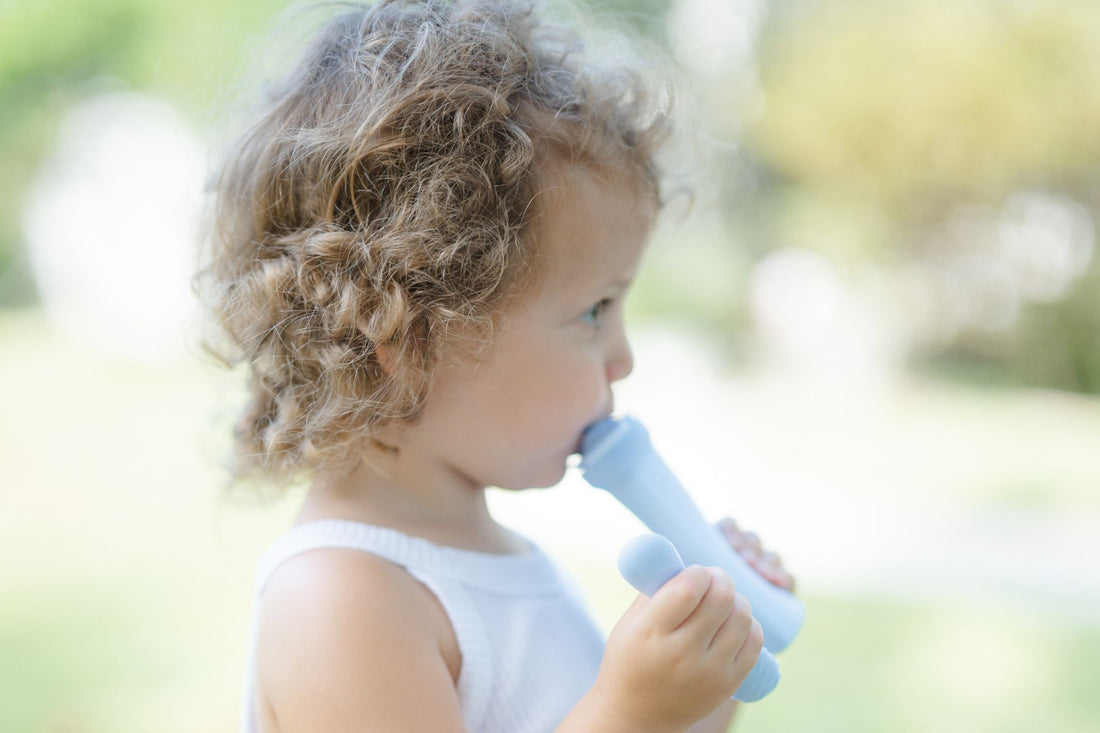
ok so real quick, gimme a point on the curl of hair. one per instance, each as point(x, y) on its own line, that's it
point(381, 200)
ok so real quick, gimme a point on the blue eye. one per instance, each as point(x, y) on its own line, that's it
point(592, 315)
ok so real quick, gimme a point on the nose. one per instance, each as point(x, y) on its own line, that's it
point(620, 360)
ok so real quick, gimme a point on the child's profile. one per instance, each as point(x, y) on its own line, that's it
point(420, 253)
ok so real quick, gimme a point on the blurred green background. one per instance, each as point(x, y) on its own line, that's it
point(882, 312)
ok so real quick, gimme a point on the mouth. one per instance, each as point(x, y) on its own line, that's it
point(578, 448)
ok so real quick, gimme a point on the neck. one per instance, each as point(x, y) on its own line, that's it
point(416, 497)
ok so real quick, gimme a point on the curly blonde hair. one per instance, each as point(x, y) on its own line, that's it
point(383, 198)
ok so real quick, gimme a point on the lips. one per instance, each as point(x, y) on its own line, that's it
point(580, 439)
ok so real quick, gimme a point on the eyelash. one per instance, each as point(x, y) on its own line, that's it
point(591, 316)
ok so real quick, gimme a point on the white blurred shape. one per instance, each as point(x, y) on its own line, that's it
point(990, 299)
point(993, 261)
point(714, 36)
point(813, 326)
point(111, 225)
point(796, 298)
point(924, 299)
point(1047, 241)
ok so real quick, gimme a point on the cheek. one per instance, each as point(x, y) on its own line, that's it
point(573, 389)
point(553, 384)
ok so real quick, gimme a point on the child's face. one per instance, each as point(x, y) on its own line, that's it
point(513, 419)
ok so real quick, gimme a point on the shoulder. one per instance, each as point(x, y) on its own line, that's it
point(344, 630)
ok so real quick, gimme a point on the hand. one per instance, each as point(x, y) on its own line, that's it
point(747, 544)
point(675, 657)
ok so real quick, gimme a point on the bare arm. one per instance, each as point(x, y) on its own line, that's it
point(331, 658)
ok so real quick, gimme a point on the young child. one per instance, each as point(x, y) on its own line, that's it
point(421, 252)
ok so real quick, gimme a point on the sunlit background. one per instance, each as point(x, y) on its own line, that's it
point(874, 338)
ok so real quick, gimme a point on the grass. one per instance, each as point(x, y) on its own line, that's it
point(124, 593)
point(867, 664)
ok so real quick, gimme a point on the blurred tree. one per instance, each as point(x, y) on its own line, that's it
point(44, 52)
point(900, 133)
point(646, 16)
point(55, 51)
point(896, 99)
point(884, 131)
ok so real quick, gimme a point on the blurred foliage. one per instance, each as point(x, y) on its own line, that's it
point(864, 126)
point(893, 100)
point(646, 16)
point(54, 52)
point(882, 119)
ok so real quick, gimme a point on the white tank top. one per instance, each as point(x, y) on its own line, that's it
point(530, 649)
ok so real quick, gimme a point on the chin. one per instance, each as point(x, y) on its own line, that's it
point(545, 477)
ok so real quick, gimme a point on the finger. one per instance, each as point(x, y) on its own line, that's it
point(749, 546)
point(750, 650)
point(730, 636)
point(732, 533)
point(640, 602)
point(782, 579)
point(769, 562)
point(677, 599)
point(779, 578)
point(749, 643)
point(771, 567)
point(713, 609)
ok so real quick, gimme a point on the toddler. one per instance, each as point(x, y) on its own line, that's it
point(421, 250)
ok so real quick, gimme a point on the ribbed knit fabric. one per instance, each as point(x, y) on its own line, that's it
point(530, 650)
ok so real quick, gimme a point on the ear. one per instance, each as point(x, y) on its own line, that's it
point(384, 354)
